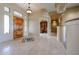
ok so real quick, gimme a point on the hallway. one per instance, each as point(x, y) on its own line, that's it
point(40, 46)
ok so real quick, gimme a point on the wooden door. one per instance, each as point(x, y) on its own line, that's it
point(17, 27)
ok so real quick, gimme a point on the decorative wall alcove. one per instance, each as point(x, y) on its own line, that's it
point(43, 27)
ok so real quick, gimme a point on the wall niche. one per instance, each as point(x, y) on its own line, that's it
point(43, 27)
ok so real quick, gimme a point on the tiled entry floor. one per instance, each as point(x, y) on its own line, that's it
point(40, 46)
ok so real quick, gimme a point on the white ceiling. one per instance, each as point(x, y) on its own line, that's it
point(48, 6)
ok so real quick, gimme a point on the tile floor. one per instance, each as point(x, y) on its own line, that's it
point(40, 46)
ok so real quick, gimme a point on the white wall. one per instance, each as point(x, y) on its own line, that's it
point(1, 22)
point(72, 34)
point(72, 30)
point(34, 24)
point(13, 7)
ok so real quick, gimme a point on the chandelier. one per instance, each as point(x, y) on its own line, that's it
point(29, 11)
point(60, 7)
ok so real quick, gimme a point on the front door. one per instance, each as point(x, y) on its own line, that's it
point(17, 27)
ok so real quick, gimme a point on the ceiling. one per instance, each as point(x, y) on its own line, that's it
point(47, 6)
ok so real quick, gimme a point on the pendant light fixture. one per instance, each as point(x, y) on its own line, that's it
point(29, 11)
point(60, 7)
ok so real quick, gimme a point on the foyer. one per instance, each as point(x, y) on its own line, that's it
point(49, 27)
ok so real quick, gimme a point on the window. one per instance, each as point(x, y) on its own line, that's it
point(6, 9)
point(17, 13)
point(6, 24)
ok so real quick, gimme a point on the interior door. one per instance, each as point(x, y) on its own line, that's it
point(17, 27)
